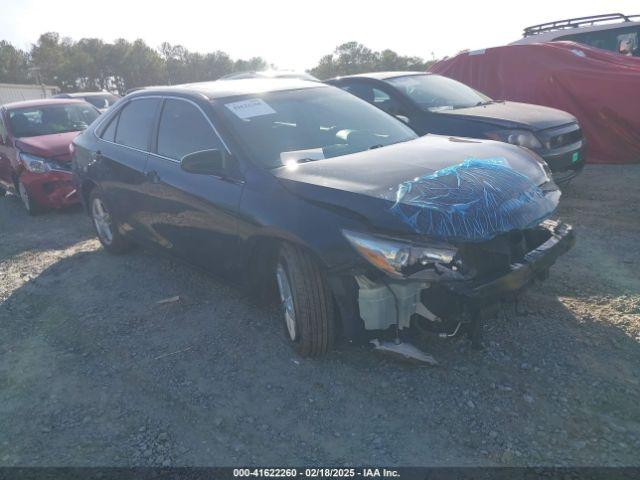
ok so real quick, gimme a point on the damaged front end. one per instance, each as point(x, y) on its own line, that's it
point(439, 294)
point(480, 232)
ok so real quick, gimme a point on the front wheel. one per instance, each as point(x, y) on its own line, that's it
point(307, 305)
point(29, 203)
point(106, 228)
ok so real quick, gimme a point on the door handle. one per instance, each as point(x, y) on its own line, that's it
point(153, 176)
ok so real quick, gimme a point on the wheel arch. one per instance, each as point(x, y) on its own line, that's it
point(261, 255)
point(86, 187)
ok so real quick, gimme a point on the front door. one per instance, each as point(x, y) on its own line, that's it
point(191, 215)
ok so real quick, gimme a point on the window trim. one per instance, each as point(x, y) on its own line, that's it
point(113, 119)
point(155, 120)
point(156, 125)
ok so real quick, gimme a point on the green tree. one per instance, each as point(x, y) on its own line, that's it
point(14, 64)
point(353, 57)
point(91, 64)
point(254, 64)
point(141, 66)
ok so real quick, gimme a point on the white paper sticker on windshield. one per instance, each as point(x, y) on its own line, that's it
point(255, 107)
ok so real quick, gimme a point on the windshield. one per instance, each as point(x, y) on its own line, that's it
point(434, 92)
point(310, 124)
point(101, 101)
point(50, 119)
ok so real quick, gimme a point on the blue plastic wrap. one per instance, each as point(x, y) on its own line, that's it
point(473, 201)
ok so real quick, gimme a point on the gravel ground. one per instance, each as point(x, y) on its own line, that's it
point(93, 371)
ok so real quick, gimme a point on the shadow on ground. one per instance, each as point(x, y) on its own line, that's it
point(94, 371)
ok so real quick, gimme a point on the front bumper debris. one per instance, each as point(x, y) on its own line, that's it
point(457, 296)
point(54, 189)
point(535, 264)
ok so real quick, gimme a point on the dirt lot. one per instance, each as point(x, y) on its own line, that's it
point(93, 371)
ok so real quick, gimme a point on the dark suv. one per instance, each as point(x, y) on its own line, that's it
point(300, 188)
point(431, 103)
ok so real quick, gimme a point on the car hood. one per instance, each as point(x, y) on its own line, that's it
point(514, 115)
point(454, 189)
point(54, 146)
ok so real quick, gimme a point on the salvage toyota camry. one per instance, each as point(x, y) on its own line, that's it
point(311, 194)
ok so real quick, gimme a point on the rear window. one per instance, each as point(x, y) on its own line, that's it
point(51, 119)
point(136, 121)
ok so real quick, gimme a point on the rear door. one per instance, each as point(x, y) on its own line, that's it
point(118, 164)
point(191, 215)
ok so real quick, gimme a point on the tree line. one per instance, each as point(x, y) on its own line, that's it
point(91, 64)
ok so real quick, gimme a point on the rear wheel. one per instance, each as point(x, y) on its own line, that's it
point(106, 228)
point(307, 305)
point(29, 203)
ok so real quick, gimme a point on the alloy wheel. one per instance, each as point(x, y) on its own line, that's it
point(102, 221)
point(286, 299)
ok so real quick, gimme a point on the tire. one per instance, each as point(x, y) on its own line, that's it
point(28, 202)
point(311, 328)
point(106, 227)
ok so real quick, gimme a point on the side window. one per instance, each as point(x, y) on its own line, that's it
point(383, 100)
point(377, 97)
point(361, 90)
point(620, 40)
point(136, 122)
point(183, 130)
point(109, 133)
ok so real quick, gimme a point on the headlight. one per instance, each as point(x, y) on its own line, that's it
point(523, 138)
point(34, 164)
point(397, 258)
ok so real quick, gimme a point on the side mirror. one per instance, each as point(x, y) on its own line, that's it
point(205, 162)
point(403, 118)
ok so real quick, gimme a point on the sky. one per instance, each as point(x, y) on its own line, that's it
point(295, 34)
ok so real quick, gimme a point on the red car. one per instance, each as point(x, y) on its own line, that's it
point(35, 156)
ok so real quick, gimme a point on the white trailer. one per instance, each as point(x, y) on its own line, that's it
point(13, 92)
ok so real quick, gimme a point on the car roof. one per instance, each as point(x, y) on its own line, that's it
point(551, 35)
point(231, 88)
point(270, 74)
point(82, 94)
point(40, 103)
point(382, 75)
